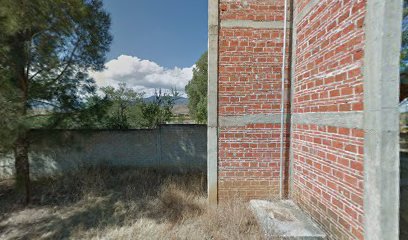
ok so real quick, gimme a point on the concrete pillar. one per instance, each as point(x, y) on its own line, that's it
point(381, 119)
point(212, 145)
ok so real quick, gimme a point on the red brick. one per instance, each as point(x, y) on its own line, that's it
point(328, 161)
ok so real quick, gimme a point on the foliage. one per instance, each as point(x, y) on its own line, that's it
point(197, 90)
point(9, 120)
point(404, 46)
point(124, 110)
point(121, 108)
point(159, 111)
point(92, 114)
point(47, 47)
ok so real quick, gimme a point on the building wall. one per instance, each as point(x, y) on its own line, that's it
point(341, 131)
point(169, 147)
point(328, 81)
point(249, 98)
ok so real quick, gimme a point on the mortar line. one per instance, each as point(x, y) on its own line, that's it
point(306, 10)
point(335, 119)
point(232, 23)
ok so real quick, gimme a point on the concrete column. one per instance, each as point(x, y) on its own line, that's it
point(212, 109)
point(381, 118)
point(292, 91)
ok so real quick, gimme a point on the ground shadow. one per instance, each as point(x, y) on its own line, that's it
point(404, 191)
point(98, 198)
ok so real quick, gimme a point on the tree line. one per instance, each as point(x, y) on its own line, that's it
point(112, 108)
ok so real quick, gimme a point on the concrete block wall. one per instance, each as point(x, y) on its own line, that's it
point(249, 97)
point(341, 109)
point(178, 148)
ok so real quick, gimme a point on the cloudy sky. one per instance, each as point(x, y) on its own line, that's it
point(143, 75)
point(156, 43)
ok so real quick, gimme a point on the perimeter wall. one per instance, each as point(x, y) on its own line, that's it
point(174, 148)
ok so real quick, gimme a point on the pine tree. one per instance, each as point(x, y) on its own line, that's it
point(47, 47)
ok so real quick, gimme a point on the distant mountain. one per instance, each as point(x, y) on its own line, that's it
point(178, 100)
point(182, 101)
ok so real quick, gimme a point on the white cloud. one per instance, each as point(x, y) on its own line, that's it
point(142, 75)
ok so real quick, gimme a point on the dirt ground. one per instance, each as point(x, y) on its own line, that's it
point(122, 204)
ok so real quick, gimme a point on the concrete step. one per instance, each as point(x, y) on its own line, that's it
point(284, 220)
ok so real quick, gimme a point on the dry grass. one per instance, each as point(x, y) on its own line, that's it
point(404, 213)
point(109, 203)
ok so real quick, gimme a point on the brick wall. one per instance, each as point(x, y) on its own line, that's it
point(258, 10)
point(330, 41)
point(340, 150)
point(328, 160)
point(249, 84)
point(328, 177)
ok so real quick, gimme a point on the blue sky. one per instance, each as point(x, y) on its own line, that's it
point(168, 32)
point(156, 43)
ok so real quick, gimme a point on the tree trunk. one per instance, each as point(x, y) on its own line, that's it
point(21, 69)
point(22, 167)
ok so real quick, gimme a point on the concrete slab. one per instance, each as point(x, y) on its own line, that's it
point(284, 220)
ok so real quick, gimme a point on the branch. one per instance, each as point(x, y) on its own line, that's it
point(28, 53)
point(32, 33)
point(6, 57)
point(39, 71)
point(71, 57)
point(40, 115)
point(44, 102)
point(35, 74)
